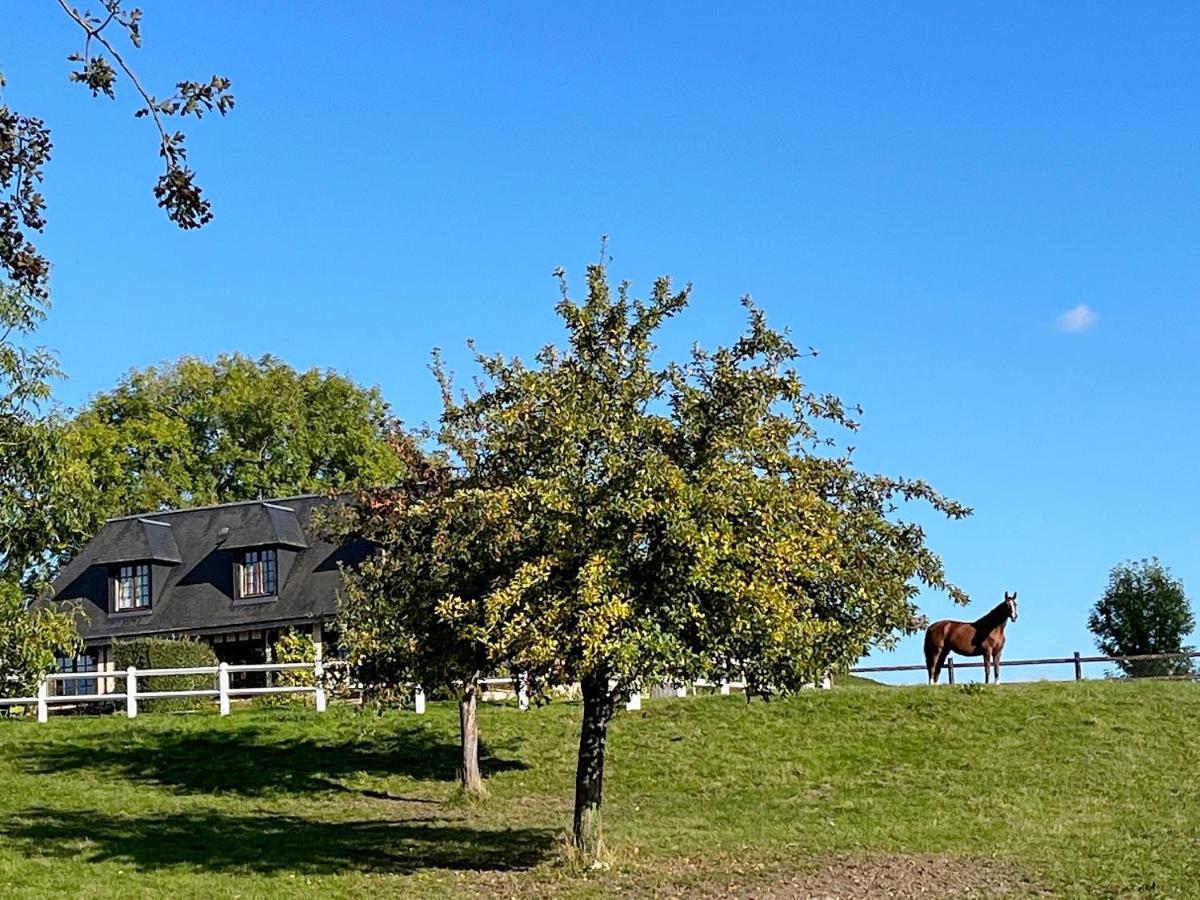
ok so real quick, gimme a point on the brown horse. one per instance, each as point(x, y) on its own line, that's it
point(983, 637)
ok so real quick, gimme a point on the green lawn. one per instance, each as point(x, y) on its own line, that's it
point(1072, 789)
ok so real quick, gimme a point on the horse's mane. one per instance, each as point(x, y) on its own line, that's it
point(994, 616)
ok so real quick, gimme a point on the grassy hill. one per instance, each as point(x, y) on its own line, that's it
point(1088, 789)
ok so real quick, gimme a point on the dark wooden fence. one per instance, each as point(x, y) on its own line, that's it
point(1151, 664)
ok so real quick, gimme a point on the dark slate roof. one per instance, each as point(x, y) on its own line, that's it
point(138, 540)
point(264, 525)
point(196, 594)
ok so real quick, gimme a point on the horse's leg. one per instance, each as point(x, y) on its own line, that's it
point(942, 656)
point(931, 655)
point(996, 665)
point(987, 661)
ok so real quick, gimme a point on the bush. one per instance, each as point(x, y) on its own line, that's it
point(163, 653)
point(291, 647)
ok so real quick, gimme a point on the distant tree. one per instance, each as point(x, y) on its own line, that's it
point(98, 65)
point(664, 522)
point(30, 641)
point(1143, 611)
point(195, 432)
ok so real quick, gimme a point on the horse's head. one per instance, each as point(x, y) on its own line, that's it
point(1011, 600)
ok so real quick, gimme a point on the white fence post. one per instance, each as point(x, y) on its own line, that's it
point(681, 691)
point(43, 691)
point(634, 702)
point(724, 688)
point(419, 701)
point(319, 683)
point(827, 682)
point(131, 692)
point(223, 688)
point(522, 691)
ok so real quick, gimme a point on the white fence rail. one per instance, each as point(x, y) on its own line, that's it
point(222, 690)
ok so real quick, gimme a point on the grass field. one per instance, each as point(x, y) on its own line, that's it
point(1089, 789)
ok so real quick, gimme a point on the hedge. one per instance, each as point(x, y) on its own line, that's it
point(164, 653)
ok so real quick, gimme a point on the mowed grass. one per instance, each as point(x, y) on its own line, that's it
point(1089, 789)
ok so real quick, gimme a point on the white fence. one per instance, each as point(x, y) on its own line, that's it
point(221, 690)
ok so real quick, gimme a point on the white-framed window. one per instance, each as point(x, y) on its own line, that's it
point(131, 587)
point(258, 573)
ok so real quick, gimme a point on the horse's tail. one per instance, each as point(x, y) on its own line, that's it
point(932, 648)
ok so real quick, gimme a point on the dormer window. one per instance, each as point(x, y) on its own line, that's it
point(258, 569)
point(131, 587)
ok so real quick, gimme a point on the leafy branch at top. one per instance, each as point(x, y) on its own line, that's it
point(25, 143)
point(176, 190)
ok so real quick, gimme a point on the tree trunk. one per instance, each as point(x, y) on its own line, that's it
point(589, 772)
point(468, 709)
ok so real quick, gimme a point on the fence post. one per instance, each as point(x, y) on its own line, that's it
point(319, 682)
point(43, 691)
point(223, 688)
point(131, 692)
point(827, 682)
point(681, 691)
point(1078, 667)
point(522, 691)
point(950, 668)
point(724, 688)
point(419, 701)
point(634, 702)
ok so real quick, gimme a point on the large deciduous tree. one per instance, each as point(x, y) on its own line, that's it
point(195, 432)
point(670, 520)
point(1144, 610)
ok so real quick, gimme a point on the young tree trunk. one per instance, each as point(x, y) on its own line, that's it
point(598, 710)
point(468, 708)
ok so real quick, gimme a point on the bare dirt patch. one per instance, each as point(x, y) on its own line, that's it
point(896, 876)
point(844, 877)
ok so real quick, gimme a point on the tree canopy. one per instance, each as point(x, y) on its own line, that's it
point(194, 432)
point(1143, 610)
point(666, 521)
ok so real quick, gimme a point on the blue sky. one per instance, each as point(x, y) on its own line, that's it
point(920, 190)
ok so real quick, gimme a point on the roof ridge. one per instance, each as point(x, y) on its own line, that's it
point(184, 509)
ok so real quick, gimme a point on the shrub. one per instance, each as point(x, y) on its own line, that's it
point(291, 647)
point(164, 653)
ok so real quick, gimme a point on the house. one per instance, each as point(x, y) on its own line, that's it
point(232, 575)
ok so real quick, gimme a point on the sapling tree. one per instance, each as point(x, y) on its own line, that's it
point(415, 611)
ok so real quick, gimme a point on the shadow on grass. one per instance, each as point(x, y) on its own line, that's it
point(253, 761)
point(270, 843)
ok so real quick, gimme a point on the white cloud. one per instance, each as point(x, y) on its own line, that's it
point(1078, 318)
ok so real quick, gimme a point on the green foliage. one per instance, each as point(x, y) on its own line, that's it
point(680, 520)
point(166, 653)
point(441, 549)
point(613, 520)
point(37, 476)
point(30, 641)
point(292, 646)
point(1143, 610)
point(194, 432)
